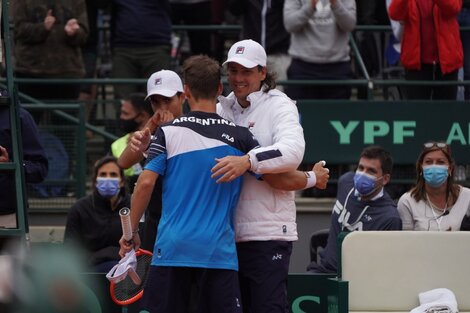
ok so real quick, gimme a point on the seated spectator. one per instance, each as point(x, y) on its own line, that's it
point(362, 204)
point(135, 113)
point(436, 202)
point(431, 47)
point(93, 222)
point(319, 45)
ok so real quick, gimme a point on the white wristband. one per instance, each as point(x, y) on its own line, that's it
point(311, 179)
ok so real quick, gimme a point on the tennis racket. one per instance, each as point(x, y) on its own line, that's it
point(126, 291)
point(130, 289)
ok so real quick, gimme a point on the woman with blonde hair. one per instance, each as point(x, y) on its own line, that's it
point(436, 203)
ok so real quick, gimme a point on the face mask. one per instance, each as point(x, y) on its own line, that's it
point(364, 183)
point(128, 126)
point(435, 175)
point(108, 187)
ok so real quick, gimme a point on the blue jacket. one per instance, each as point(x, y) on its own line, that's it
point(34, 157)
point(352, 214)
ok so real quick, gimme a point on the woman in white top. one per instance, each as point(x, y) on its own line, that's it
point(436, 203)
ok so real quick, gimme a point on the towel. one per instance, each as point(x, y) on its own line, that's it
point(440, 300)
point(127, 265)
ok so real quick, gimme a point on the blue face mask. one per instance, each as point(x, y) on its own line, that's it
point(364, 183)
point(108, 186)
point(435, 175)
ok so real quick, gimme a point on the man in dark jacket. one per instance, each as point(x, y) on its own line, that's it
point(361, 204)
point(34, 162)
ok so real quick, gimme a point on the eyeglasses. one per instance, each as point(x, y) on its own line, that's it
point(440, 145)
point(431, 144)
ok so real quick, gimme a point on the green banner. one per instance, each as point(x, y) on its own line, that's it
point(337, 131)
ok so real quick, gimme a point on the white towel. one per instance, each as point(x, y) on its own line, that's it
point(127, 265)
point(440, 300)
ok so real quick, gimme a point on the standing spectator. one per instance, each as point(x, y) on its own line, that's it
point(362, 204)
point(319, 45)
point(194, 12)
point(135, 113)
point(263, 22)
point(34, 161)
point(48, 38)
point(431, 48)
point(141, 40)
point(371, 43)
point(90, 54)
point(93, 222)
point(436, 202)
point(464, 20)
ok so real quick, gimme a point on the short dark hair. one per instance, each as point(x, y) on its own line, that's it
point(202, 75)
point(379, 153)
point(137, 100)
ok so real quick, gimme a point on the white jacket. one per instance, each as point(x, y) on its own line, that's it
point(264, 213)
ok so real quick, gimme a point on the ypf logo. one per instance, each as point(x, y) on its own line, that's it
point(240, 50)
point(158, 81)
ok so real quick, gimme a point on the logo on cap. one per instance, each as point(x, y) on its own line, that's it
point(158, 81)
point(240, 50)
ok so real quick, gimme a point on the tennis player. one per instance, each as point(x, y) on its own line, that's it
point(196, 238)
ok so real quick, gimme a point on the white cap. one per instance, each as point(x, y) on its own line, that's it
point(165, 83)
point(248, 53)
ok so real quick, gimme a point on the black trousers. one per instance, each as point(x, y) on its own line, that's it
point(431, 92)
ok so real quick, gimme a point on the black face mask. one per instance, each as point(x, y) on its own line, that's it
point(128, 126)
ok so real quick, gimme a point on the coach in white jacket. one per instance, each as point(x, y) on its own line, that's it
point(265, 221)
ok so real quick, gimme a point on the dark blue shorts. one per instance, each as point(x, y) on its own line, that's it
point(263, 272)
point(169, 290)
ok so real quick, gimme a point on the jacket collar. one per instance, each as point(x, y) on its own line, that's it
point(254, 98)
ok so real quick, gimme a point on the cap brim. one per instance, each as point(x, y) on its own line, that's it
point(242, 61)
point(162, 92)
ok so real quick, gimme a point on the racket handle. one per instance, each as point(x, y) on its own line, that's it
point(125, 214)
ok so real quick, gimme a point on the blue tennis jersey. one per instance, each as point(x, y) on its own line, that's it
point(196, 228)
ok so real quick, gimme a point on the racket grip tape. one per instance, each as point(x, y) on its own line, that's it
point(125, 214)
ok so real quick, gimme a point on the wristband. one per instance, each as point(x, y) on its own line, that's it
point(135, 231)
point(311, 179)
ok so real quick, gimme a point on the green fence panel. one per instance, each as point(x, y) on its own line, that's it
point(337, 131)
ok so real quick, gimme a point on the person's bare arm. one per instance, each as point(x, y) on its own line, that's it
point(297, 180)
point(140, 200)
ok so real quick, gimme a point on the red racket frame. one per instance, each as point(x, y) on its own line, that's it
point(137, 296)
